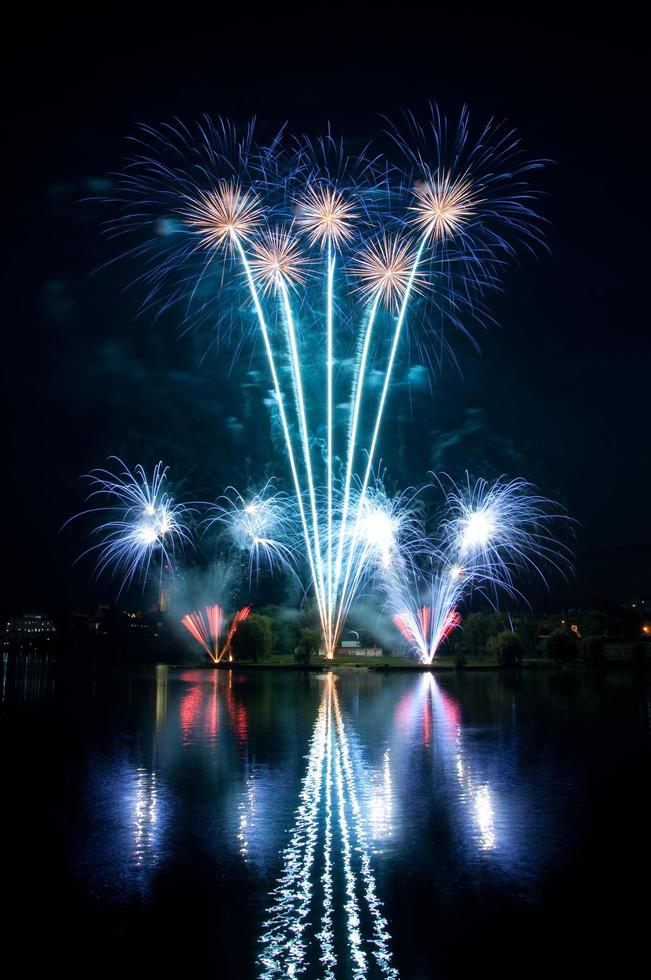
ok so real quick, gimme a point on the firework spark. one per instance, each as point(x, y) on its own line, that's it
point(325, 216)
point(277, 261)
point(385, 270)
point(425, 632)
point(222, 215)
point(443, 205)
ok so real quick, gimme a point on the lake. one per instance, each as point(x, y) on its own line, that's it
point(173, 822)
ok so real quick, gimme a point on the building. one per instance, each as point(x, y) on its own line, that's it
point(353, 648)
point(26, 631)
point(373, 651)
point(29, 625)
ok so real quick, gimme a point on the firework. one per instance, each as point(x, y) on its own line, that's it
point(430, 234)
point(238, 619)
point(260, 525)
point(424, 603)
point(385, 271)
point(325, 216)
point(426, 631)
point(470, 191)
point(223, 215)
point(489, 535)
point(496, 531)
point(143, 523)
point(443, 205)
point(384, 534)
point(277, 262)
point(206, 627)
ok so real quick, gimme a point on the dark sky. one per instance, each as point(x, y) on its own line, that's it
point(559, 392)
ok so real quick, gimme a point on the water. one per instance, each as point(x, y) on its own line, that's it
point(278, 824)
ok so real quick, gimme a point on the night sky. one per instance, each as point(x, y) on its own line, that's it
point(559, 392)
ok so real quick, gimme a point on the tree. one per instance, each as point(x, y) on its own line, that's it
point(507, 648)
point(592, 649)
point(254, 639)
point(590, 623)
point(477, 628)
point(273, 614)
point(528, 630)
point(638, 653)
point(287, 624)
point(562, 645)
point(307, 646)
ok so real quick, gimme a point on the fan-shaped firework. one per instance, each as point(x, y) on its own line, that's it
point(426, 629)
point(206, 629)
point(385, 532)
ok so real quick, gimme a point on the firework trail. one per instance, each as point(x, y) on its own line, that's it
point(327, 246)
point(206, 629)
point(143, 522)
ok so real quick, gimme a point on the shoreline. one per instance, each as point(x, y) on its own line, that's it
point(403, 668)
point(344, 665)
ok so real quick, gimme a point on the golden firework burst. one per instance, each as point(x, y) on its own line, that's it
point(386, 269)
point(277, 260)
point(223, 214)
point(443, 205)
point(325, 216)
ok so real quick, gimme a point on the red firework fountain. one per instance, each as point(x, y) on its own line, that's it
point(425, 632)
point(206, 629)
